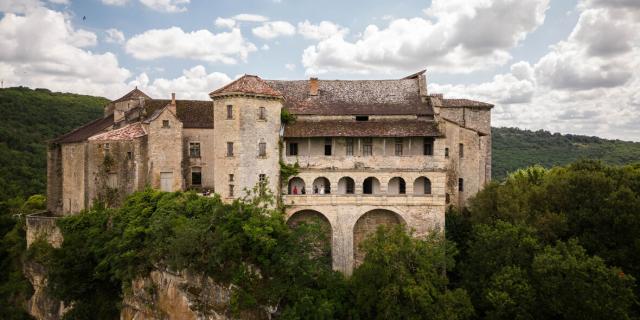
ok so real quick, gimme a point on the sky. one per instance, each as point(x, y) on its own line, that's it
point(569, 66)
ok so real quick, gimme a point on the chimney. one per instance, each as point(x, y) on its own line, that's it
point(313, 86)
point(172, 106)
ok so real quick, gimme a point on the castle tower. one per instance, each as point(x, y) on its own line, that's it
point(247, 130)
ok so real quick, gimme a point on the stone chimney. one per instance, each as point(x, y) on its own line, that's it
point(172, 106)
point(313, 86)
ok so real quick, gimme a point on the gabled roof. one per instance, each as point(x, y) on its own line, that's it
point(192, 113)
point(86, 131)
point(354, 97)
point(129, 132)
point(341, 128)
point(248, 84)
point(132, 95)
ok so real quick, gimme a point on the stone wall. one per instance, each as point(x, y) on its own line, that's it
point(207, 155)
point(73, 177)
point(165, 151)
point(54, 178)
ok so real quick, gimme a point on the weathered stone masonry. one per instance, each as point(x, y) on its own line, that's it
point(370, 152)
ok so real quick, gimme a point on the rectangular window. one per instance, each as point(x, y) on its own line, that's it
point(262, 177)
point(229, 111)
point(428, 147)
point(262, 149)
point(165, 123)
point(112, 180)
point(362, 118)
point(194, 149)
point(231, 177)
point(327, 146)
point(196, 176)
point(461, 147)
point(107, 148)
point(398, 147)
point(229, 149)
point(129, 155)
point(293, 149)
point(446, 152)
point(349, 146)
point(262, 113)
point(460, 184)
point(367, 147)
point(230, 190)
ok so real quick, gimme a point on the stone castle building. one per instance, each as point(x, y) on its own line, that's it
point(370, 152)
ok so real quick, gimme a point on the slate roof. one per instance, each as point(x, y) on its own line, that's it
point(465, 103)
point(248, 84)
point(129, 132)
point(354, 97)
point(86, 131)
point(132, 95)
point(337, 128)
point(192, 113)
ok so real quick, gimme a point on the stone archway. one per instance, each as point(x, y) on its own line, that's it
point(323, 243)
point(366, 225)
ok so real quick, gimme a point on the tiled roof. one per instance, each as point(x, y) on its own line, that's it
point(354, 97)
point(464, 103)
point(86, 131)
point(129, 132)
point(248, 84)
point(336, 128)
point(132, 95)
point(192, 113)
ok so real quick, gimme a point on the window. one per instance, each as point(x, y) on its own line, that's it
point(196, 176)
point(446, 152)
point(231, 177)
point(349, 146)
point(293, 149)
point(229, 111)
point(165, 123)
point(362, 118)
point(367, 147)
point(402, 187)
point(262, 149)
point(398, 146)
point(194, 149)
point(112, 180)
point(262, 177)
point(460, 184)
point(262, 113)
point(327, 146)
point(229, 149)
point(428, 147)
point(129, 155)
point(427, 186)
point(461, 147)
point(351, 186)
point(230, 190)
point(447, 198)
point(107, 148)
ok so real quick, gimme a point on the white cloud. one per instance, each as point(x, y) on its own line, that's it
point(290, 66)
point(457, 36)
point(323, 30)
point(225, 47)
point(274, 29)
point(194, 83)
point(225, 22)
point(55, 59)
point(250, 17)
point(60, 1)
point(115, 2)
point(166, 5)
point(114, 36)
point(265, 47)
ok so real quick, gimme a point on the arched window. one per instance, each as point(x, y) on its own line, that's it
point(346, 185)
point(422, 185)
point(371, 185)
point(321, 185)
point(397, 186)
point(296, 186)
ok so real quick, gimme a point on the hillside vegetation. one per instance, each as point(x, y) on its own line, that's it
point(29, 118)
point(516, 148)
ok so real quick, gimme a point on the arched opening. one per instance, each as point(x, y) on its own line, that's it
point(367, 225)
point(422, 185)
point(397, 186)
point(346, 185)
point(319, 235)
point(296, 186)
point(371, 185)
point(321, 185)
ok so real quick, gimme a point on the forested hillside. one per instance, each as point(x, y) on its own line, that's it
point(515, 148)
point(29, 118)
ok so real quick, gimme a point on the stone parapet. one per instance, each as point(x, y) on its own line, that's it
point(43, 225)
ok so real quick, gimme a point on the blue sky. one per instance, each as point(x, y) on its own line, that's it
point(567, 66)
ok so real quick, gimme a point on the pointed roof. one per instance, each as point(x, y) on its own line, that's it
point(247, 84)
point(133, 95)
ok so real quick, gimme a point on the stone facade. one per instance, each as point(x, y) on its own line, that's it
point(370, 152)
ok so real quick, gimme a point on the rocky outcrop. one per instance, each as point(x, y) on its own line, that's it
point(41, 305)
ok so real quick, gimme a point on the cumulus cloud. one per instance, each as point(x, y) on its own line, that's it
point(225, 22)
point(195, 83)
point(250, 17)
point(114, 36)
point(56, 59)
point(224, 47)
point(115, 2)
point(456, 36)
point(166, 5)
point(323, 30)
point(274, 29)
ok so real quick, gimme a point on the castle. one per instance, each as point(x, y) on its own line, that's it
point(370, 152)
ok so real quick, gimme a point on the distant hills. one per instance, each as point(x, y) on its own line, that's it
point(31, 117)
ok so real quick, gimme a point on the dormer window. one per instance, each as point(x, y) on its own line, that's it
point(165, 123)
point(362, 118)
